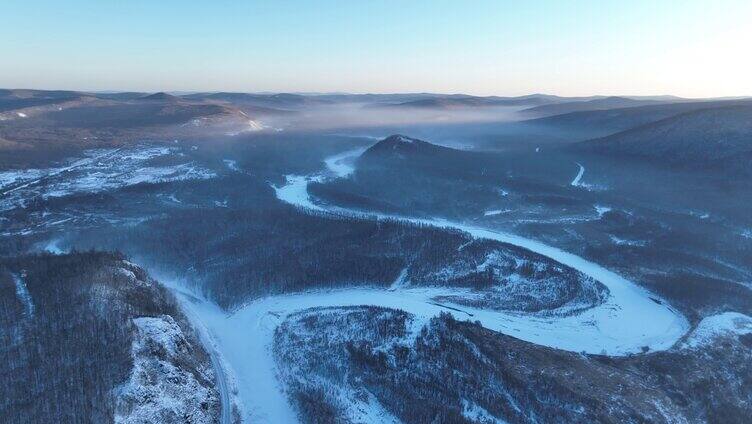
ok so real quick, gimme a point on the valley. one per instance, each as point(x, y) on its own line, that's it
point(487, 261)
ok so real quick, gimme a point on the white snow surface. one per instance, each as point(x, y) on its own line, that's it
point(8, 178)
point(100, 170)
point(478, 414)
point(232, 164)
point(714, 326)
point(53, 246)
point(496, 212)
point(576, 181)
point(624, 242)
point(369, 411)
point(341, 165)
point(601, 210)
point(250, 126)
point(158, 390)
point(162, 331)
point(295, 191)
point(400, 281)
point(22, 292)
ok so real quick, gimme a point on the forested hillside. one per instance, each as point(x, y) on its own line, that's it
point(714, 139)
point(236, 255)
point(89, 337)
point(346, 364)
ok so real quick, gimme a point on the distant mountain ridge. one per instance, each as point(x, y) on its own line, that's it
point(719, 137)
point(613, 102)
point(466, 101)
point(20, 100)
point(600, 123)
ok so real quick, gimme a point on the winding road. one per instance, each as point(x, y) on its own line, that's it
point(193, 307)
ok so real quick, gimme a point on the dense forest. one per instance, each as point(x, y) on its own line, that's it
point(67, 329)
point(688, 236)
point(234, 255)
point(338, 362)
point(415, 177)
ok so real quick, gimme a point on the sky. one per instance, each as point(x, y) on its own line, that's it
point(688, 48)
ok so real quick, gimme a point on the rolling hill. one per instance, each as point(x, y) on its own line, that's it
point(403, 147)
point(40, 127)
point(20, 103)
point(584, 125)
point(613, 102)
point(465, 101)
point(714, 138)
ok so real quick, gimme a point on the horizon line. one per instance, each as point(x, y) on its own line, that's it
point(355, 93)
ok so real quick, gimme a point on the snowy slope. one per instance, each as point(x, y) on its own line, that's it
point(576, 181)
point(715, 326)
point(160, 388)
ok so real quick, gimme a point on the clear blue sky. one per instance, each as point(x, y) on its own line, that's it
point(690, 48)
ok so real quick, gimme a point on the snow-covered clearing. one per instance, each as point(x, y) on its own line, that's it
point(160, 388)
point(232, 164)
point(53, 246)
point(250, 126)
point(400, 281)
point(624, 242)
point(295, 191)
point(19, 176)
point(576, 181)
point(477, 414)
point(8, 178)
point(601, 210)
point(496, 212)
point(724, 324)
point(24, 296)
point(341, 165)
point(100, 170)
